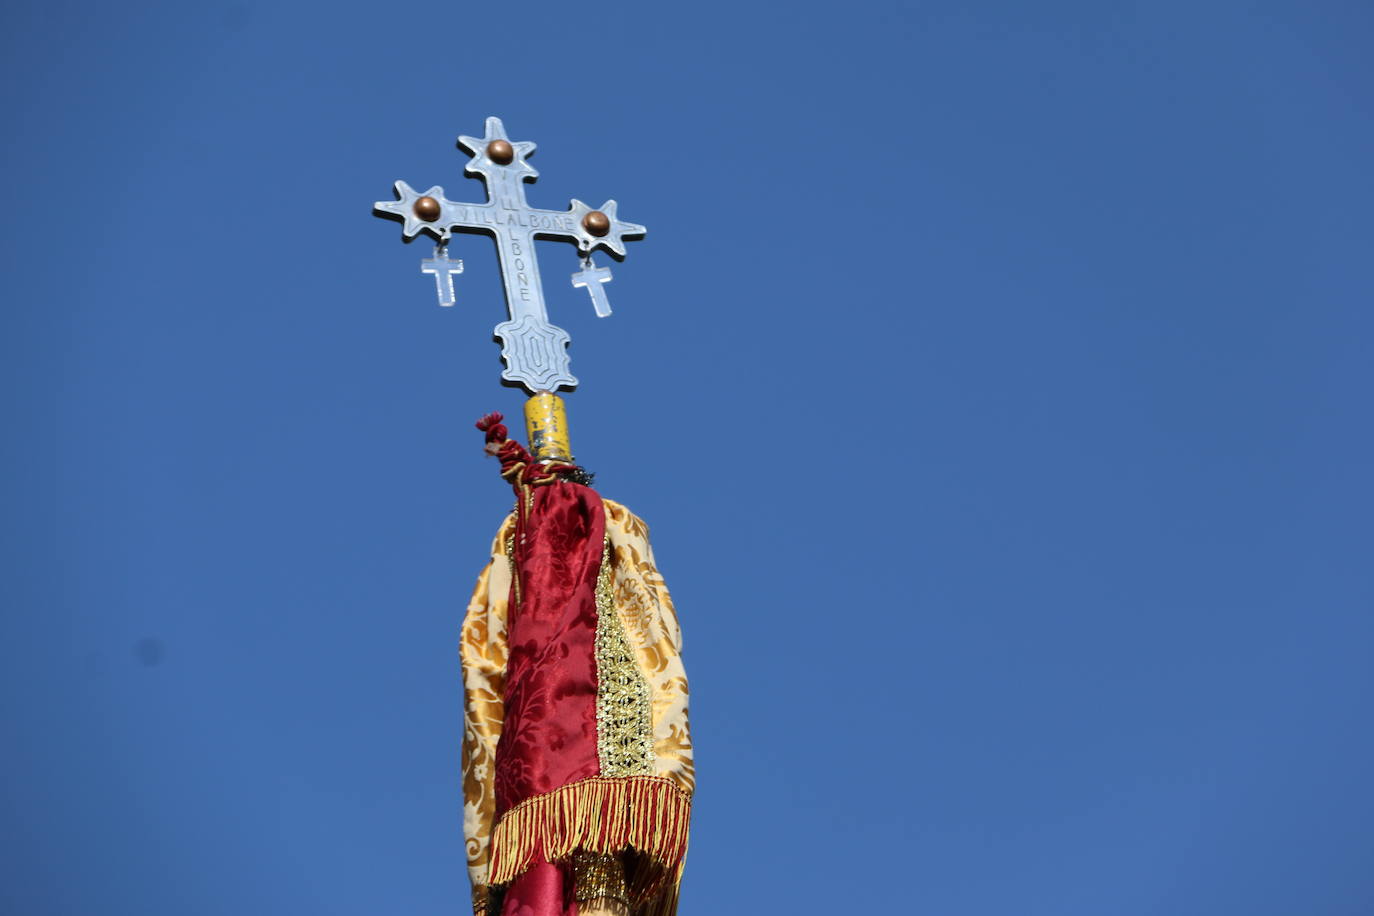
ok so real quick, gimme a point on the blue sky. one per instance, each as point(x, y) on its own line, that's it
point(994, 378)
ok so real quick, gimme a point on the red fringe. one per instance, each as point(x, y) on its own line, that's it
point(648, 815)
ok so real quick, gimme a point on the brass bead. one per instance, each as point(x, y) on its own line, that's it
point(500, 152)
point(597, 223)
point(427, 208)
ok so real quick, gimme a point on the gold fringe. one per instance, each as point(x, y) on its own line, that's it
point(646, 815)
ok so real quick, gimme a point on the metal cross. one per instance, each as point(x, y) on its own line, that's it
point(535, 351)
point(594, 279)
point(443, 270)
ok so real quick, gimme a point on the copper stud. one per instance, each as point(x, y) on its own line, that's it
point(500, 152)
point(597, 223)
point(427, 208)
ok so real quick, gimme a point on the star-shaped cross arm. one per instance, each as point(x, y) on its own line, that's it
point(535, 351)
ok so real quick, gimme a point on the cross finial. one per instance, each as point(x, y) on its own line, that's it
point(535, 350)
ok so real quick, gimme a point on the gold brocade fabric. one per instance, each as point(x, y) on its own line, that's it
point(598, 876)
point(482, 648)
point(643, 635)
point(624, 713)
point(651, 629)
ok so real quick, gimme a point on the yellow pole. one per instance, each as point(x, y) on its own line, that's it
point(546, 423)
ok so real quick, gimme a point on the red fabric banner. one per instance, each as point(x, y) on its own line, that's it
point(550, 737)
point(541, 891)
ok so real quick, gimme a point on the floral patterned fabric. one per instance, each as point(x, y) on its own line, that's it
point(647, 626)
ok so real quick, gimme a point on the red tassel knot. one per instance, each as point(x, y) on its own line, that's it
point(496, 430)
point(518, 466)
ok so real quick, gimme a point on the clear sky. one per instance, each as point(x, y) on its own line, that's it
point(995, 378)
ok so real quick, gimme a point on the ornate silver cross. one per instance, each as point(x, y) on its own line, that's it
point(535, 351)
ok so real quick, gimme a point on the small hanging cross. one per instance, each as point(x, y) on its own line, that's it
point(443, 270)
point(535, 350)
point(594, 279)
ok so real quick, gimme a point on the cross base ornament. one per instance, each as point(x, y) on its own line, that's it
point(535, 351)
